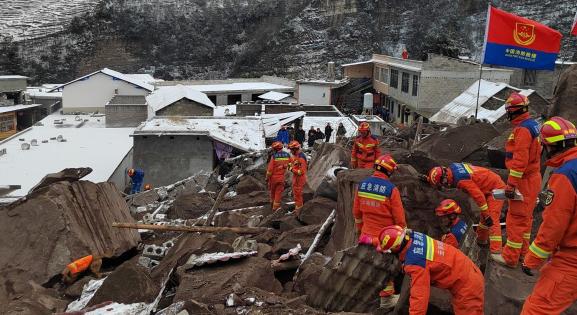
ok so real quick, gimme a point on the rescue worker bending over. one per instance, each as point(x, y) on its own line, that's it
point(275, 174)
point(365, 148)
point(73, 270)
point(523, 159)
point(298, 166)
point(556, 241)
point(136, 176)
point(378, 204)
point(478, 183)
point(453, 227)
point(430, 262)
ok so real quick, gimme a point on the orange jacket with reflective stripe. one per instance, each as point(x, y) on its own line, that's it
point(366, 149)
point(378, 204)
point(80, 265)
point(476, 181)
point(557, 234)
point(278, 165)
point(431, 262)
point(523, 150)
point(298, 164)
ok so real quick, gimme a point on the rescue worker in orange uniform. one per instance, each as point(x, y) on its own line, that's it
point(365, 148)
point(431, 262)
point(556, 241)
point(523, 160)
point(378, 204)
point(298, 166)
point(478, 183)
point(73, 270)
point(275, 174)
point(448, 212)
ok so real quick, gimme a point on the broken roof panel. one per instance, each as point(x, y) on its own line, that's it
point(243, 133)
point(114, 74)
point(274, 96)
point(274, 122)
point(167, 95)
point(465, 104)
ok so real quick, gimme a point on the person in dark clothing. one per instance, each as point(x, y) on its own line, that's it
point(328, 132)
point(341, 132)
point(312, 136)
point(300, 135)
point(223, 168)
point(320, 134)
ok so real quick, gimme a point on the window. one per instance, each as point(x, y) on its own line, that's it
point(529, 77)
point(394, 78)
point(415, 85)
point(7, 123)
point(405, 83)
point(378, 74)
point(398, 110)
point(385, 75)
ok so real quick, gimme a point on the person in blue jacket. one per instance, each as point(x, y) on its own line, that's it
point(283, 136)
point(137, 176)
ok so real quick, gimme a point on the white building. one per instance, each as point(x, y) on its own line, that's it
point(92, 92)
point(319, 92)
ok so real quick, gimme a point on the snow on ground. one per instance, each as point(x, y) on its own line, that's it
point(321, 122)
point(221, 111)
point(87, 145)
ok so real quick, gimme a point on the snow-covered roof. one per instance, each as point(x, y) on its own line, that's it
point(358, 63)
point(243, 133)
point(274, 96)
point(143, 77)
point(167, 95)
point(114, 74)
point(274, 122)
point(8, 109)
point(464, 105)
point(101, 149)
point(12, 77)
point(240, 86)
point(41, 92)
point(224, 110)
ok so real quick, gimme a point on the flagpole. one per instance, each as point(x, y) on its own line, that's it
point(479, 90)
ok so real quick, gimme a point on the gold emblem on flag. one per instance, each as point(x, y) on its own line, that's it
point(524, 34)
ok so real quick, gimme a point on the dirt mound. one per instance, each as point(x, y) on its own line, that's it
point(248, 184)
point(253, 199)
point(129, 275)
point(564, 102)
point(290, 239)
point(454, 144)
point(317, 210)
point(190, 205)
point(36, 300)
point(60, 223)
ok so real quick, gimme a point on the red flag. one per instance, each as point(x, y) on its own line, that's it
point(574, 26)
point(405, 54)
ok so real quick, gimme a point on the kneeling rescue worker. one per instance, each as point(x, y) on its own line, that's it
point(378, 204)
point(73, 270)
point(298, 166)
point(275, 174)
point(365, 148)
point(430, 262)
point(523, 160)
point(455, 228)
point(556, 241)
point(478, 183)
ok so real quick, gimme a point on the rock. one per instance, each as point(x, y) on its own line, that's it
point(264, 250)
point(326, 156)
point(213, 284)
point(563, 103)
point(309, 273)
point(253, 199)
point(129, 283)
point(190, 205)
point(285, 223)
point(144, 198)
point(35, 299)
point(231, 219)
point(58, 224)
point(248, 184)
point(290, 239)
point(75, 290)
point(317, 210)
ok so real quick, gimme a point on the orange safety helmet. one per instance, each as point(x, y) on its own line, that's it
point(364, 126)
point(439, 176)
point(294, 145)
point(557, 129)
point(277, 145)
point(385, 164)
point(391, 238)
point(131, 172)
point(147, 187)
point(516, 105)
point(446, 207)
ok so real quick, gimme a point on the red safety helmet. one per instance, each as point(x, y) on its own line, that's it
point(385, 164)
point(277, 145)
point(147, 187)
point(131, 172)
point(446, 207)
point(364, 126)
point(294, 145)
point(515, 101)
point(557, 129)
point(391, 238)
point(439, 176)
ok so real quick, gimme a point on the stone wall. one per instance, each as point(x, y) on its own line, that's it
point(185, 107)
point(122, 116)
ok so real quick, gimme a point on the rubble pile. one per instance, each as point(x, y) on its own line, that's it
point(563, 103)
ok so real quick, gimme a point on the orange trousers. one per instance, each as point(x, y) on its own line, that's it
point(298, 186)
point(520, 219)
point(276, 188)
point(493, 233)
point(469, 298)
point(555, 290)
point(365, 164)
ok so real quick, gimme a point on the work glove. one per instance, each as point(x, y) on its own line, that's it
point(527, 270)
point(510, 191)
point(487, 220)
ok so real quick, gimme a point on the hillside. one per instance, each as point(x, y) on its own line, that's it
point(202, 39)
